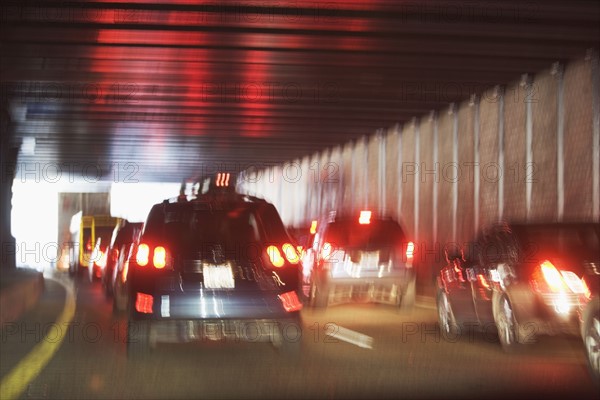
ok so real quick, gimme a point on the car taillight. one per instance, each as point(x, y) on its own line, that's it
point(313, 227)
point(290, 253)
point(143, 252)
point(143, 303)
point(160, 257)
point(548, 278)
point(364, 218)
point(290, 301)
point(410, 250)
point(275, 256)
point(552, 277)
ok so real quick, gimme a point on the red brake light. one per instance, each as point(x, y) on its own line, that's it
point(313, 227)
point(290, 253)
point(410, 250)
point(143, 303)
point(222, 179)
point(552, 277)
point(160, 257)
point(365, 218)
point(142, 255)
point(290, 301)
point(275, 256)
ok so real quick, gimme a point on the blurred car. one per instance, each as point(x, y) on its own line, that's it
point(522, 280)
point(98, 258)
point(89, 245)
point(360, 258)
point(123, 237)
point(218, 267)
point(590, 324)
point(304, 239)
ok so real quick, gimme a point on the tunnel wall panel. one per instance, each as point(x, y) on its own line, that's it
point(466, 182)
point(445, 184)
point(408, 176)
point(544, 167)
point(392, 177)
point(578, 141)
point(515, 163)
point(488, 157)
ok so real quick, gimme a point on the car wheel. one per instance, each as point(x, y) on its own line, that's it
point(507, 325)
point(138, 339)
point(446, 318)
point(591, 340)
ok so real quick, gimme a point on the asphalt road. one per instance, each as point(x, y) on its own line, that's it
point(376, 351)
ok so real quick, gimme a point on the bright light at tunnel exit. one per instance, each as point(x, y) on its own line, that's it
point(35, 214)
point(34, 224)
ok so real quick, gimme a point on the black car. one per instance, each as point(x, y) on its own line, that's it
point(219, 267)
point(590, 324)
point(521, 280)
point(119, 253)
point(360, 258)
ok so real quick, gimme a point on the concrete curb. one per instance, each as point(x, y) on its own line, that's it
point(20, 296)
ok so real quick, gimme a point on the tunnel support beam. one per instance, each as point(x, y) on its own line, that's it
point(399, 172)
point(417, 181)
point(475, 104)
point(558, 71)
point(527, 83)
point(382, 169)
point(454, 112)
point(501, 144)
point(434, 120)
point(593, 55)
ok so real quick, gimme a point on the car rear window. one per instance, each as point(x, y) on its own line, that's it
point(193, 228)
point(351, 234)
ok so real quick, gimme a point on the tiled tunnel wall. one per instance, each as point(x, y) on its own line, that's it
point(525, 152)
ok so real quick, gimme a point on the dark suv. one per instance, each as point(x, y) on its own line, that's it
point(218, 267)
point(359, 258)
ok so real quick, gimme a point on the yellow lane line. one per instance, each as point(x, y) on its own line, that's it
point(15, 382)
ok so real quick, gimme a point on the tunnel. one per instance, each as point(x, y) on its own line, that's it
point(446, 116)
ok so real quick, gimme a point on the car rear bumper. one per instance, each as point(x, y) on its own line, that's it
point(551, 314)
point(233, 330)
point(388, 290)
point(207, 304)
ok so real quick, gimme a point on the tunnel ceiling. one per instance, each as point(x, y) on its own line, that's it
point(175, 88)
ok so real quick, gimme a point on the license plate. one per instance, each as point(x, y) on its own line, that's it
point(218, 277)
